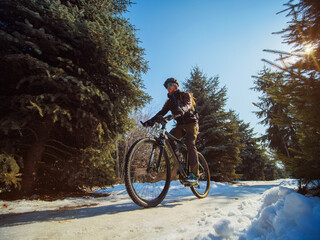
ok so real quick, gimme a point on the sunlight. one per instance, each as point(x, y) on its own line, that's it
point(309, 48)
point(306, 51)
point(290, 60)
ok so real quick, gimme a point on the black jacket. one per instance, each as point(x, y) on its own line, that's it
point(182, 100)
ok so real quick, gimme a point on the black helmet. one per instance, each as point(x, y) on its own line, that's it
point(170, 80)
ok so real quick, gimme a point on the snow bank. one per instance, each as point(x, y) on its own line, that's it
point(285, 214)
point(117, 193)
point(279, 213)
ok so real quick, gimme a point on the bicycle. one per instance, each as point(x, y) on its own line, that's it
point(148, 169)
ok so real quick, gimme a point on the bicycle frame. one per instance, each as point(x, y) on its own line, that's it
point(163, 140)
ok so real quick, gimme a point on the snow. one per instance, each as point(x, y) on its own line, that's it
point(284, 214)
point(245, 210)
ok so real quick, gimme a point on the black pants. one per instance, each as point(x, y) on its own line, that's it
point(190, 131)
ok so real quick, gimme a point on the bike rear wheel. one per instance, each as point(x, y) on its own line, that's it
point(146, 184)
point(202, 190)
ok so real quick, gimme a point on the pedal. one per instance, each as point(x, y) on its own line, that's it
point(189, 184)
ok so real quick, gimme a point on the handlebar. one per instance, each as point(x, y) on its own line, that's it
point(161, 119)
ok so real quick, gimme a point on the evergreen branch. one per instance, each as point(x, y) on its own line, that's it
point(281, 68)
point(57, 149)
point(62, 144)
point(52, 155)
point(278, 52)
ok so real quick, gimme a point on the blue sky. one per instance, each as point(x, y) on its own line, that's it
point(224, 38)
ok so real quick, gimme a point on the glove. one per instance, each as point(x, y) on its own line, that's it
point(148, 123)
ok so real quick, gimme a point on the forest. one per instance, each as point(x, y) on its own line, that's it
point(72, 96)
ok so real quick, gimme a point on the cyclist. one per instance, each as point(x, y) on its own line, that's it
point(181, 104)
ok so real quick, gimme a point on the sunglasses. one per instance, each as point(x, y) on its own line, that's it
point(169, 85)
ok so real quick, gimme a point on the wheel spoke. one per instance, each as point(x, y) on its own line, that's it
point(147, 185)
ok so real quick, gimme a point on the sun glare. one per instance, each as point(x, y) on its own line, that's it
point(308, 49)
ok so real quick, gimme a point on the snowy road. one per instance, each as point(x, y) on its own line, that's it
point(226, 213)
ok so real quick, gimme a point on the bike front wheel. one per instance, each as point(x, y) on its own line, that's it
point(202, 190)
point(147, 173)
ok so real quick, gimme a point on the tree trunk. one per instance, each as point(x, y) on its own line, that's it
point(117, 159)
point(34, 156)
point(123, 158)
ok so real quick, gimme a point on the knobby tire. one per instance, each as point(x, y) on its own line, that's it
point(147, 188)
point(202, 190)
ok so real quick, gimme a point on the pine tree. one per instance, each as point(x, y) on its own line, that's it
point(303, 87)
point(63, 66)
point(280, 134)
point(218, 139)
point(232, 147)
point(295, 94)
point(252, 155)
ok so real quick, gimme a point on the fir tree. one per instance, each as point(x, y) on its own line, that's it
point(280, 134)
point(296, 93)
point(218, 139)
point(252, 155)
point(70, 74)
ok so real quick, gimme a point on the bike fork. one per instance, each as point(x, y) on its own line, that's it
point(151, 160)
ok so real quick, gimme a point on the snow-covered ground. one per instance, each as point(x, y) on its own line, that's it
point(246, 210)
